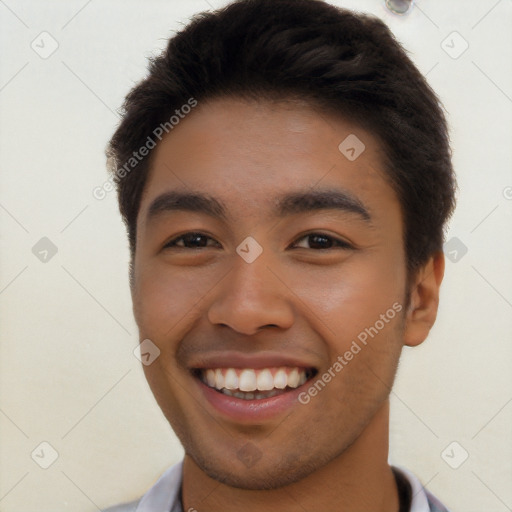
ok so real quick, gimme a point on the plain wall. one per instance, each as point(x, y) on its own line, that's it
point(68, 375)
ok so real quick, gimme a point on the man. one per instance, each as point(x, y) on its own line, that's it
point(284, 174)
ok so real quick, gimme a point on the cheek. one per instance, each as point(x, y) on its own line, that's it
point(166, 299)
point(343, 302)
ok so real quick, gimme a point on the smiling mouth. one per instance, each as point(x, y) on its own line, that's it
point(254, 384)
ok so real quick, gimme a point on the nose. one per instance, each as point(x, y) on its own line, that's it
point(252, 296)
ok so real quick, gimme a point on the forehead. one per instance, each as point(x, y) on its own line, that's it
point(252, 153)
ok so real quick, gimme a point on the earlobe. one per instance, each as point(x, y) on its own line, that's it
point(424, 300)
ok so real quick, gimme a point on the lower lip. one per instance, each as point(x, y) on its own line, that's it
point(250, 411)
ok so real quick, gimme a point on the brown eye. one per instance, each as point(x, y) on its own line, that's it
point(191, 240)
point(322, 241)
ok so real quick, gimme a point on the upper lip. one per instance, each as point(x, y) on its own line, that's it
point(232, 359)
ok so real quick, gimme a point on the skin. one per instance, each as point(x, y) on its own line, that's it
point(298, 296)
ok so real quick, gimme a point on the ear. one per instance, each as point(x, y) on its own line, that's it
point(424, 300)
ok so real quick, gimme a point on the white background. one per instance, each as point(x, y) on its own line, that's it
point(67, 372)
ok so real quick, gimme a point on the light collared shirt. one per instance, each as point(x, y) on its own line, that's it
point(165, 495)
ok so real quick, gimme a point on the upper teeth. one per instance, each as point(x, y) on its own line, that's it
point(248, 379)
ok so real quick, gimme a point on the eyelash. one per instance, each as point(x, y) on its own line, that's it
point(338, 243)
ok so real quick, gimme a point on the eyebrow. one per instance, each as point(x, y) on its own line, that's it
point(303, 202)
point(288, 204)
point(186, 201)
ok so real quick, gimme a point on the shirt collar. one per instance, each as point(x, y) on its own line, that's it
point(419, 501)
point(165, 495)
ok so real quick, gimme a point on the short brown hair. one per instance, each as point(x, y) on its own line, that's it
point(341, 62)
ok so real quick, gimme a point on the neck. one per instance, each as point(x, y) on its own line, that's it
point(358, 479)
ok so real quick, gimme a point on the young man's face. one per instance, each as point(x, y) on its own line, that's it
point(213, 302)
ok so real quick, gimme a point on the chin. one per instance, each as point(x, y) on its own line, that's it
point(268, 475)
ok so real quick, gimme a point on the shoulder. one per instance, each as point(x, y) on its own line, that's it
point(124, 507)
point(163, 495)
